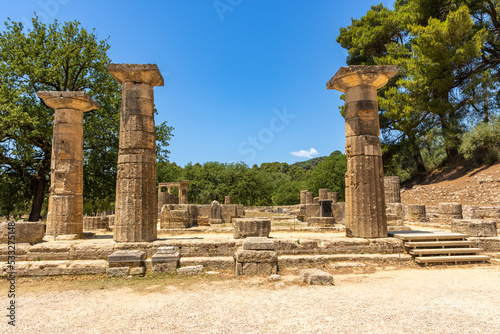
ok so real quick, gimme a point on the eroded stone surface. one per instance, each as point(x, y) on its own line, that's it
point(316, 277)
point(365, 196)
point(258, 243)
point(65, 210)
point(23, 232)
point(475, 227)
point(251, 227)
point(192, 270)
point(136, 203)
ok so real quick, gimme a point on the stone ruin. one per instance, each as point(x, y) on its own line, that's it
point(372, 204)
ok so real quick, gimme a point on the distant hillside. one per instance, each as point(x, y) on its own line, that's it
point(309, 164)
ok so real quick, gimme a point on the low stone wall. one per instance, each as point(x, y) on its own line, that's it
point(481, 212)
point(91, 223)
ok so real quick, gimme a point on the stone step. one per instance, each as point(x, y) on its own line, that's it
point(440, 251)
point(456, 259)
point(430, 236)
point(443, 244)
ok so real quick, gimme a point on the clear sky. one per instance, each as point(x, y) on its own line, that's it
point(244, 79)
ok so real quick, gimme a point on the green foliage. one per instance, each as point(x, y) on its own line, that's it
point(482, 142)
point(61, 58)
point(448, 54)
point(58, 57)
point(330, 174)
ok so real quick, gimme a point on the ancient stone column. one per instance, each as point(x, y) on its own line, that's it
point(365, 199)
point(228, 200)
point(303, 195)
point(309, 197)
point(65, 212)
point(416, 213)
point(332, 196)
point(323, 194)
point(183, 192)
point(392, 191)
point(136, 204)
point(449, 211)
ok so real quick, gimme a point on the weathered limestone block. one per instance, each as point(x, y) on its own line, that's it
point(258, 243)
point(332, 196)
point(392, 189)
point(23, 232)
point(256, 269)
point(136, 208)
point(416, 213)
point(229, 212)
point(256, 257)
point(316, 200)
point(251, 227)
point(323, 194)
point(303, 196)
point(312, 210)
point(316, 277)
point(165, 260)
point(365, 196)
point(394, 213)
point(321, 221)
point(228, 200)
point(91, 223)
point(127, 258)
point(191, 270)
point(215, 213)
point(261, 256)
point(449, 211)
point(475, 227)
point(65, 211)
point(309, 197)
point(481, 212)
point(117, 271)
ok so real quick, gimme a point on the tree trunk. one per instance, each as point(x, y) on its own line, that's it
point(450, 133)
point(417, 156)
point(38, 194)
point(485, 107)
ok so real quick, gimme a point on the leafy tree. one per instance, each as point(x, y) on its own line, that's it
point(482, 140)
point(446, 54)
point(58, 57)
point(330, 174)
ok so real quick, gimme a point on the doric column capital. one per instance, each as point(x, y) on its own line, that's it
point(362, 75)
point(136, 73)
point(68, 100)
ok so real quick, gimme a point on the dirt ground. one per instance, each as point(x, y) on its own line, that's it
point(366, 299)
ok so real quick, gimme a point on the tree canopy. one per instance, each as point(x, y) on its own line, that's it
point(57, 57)
point(447, 52)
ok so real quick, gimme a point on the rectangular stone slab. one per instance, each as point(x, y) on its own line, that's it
point(256, 243)
point(127, 256)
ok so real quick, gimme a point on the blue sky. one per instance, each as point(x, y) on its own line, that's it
point(244, 79)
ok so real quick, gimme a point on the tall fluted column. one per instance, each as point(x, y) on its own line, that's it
point(136, 204)
point(365, 201)
point(65, 212)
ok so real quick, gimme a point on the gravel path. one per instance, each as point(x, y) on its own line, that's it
point(452, 300)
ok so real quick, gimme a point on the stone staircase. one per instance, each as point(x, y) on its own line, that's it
point(431, 247)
